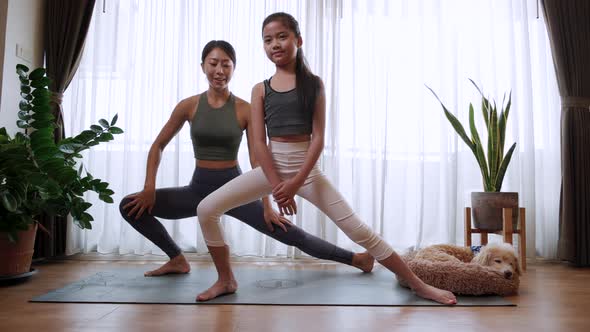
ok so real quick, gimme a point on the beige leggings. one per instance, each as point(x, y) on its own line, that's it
point(317, 189)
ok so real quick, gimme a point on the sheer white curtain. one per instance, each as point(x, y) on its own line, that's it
point(388, 148)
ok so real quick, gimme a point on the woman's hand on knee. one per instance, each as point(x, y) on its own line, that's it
point(140, 202)
point(272, 217)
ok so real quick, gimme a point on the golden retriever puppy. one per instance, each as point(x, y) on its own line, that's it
point(499, 257)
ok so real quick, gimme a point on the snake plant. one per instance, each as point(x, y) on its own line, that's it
point(493, 167)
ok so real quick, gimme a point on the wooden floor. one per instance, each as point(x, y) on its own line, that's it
point(553, 297)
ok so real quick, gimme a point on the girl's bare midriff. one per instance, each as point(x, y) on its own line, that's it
point(291, 139)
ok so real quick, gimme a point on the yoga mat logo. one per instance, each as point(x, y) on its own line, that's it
point(277, 283)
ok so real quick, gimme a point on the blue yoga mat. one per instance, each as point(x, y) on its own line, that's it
point(263, 286)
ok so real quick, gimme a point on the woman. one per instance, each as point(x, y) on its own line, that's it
point(217, 119)
point(291, 104)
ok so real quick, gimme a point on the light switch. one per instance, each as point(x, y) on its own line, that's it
point(24, 53)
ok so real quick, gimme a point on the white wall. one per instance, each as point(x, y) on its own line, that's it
point(3, 16)
point(23, 22)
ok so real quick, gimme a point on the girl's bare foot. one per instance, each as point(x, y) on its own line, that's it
point(363, 262)
point(176, 265)
point(219, 288)
point(432, 293)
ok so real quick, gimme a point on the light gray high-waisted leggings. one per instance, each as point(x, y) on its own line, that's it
point(317, 189)
point(182, 202)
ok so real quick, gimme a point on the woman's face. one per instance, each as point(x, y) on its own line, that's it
point(219, 69)
point(280, 43)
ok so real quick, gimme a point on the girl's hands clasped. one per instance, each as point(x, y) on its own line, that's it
point(284, 195)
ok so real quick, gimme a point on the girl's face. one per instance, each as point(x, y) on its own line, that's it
point(280, 43)
point(219, 69)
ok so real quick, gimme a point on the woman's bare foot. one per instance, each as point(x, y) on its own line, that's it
point(432, 293)
point(363, 262)
point(219, 288)
point(177, 265)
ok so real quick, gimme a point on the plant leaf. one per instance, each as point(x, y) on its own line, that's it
point(42, 92)
point(9, 202)
point(24, 115)
point(503, 167)
point(106, 199)
point(40, 83)
point(101, 186)
point(42, 124)
point(22, 124)
point(472, 127)
point(67, 148)
point(501, 134)
point(25, 89)
point(37, 74)
point(507, 109)
point(493, 143)
point(96, 129)
point(22, 67)
point(115, 130)
point(24, 105)
point(105, 137)
point(21, 74)
point(107, 192)
point(455, 123)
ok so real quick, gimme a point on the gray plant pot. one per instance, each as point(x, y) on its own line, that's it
point(487, 209)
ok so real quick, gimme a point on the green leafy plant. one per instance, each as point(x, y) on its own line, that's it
point(493, 167)
point(38, 175)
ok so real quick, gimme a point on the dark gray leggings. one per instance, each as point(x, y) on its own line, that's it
point(182, 202)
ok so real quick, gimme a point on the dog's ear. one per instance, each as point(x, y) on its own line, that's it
point(484, 257)
point(515, 260)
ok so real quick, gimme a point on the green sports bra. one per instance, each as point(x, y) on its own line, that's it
point(216, 132)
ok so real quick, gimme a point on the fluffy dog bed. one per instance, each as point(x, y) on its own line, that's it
point(455, 269)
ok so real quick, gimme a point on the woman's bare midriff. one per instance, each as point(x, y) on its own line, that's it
point(291, 139)
point(216, 164)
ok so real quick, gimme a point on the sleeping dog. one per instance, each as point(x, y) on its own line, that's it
point(499, 257)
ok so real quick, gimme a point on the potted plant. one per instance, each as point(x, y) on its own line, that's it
point(487, 206)
point(39, 176)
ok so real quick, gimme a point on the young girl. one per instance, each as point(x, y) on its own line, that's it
point(217, 119)
point(292, 106)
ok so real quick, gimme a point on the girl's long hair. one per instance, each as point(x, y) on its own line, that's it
point(306, 83)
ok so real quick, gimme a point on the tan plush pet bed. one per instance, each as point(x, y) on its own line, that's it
point(495, 270)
